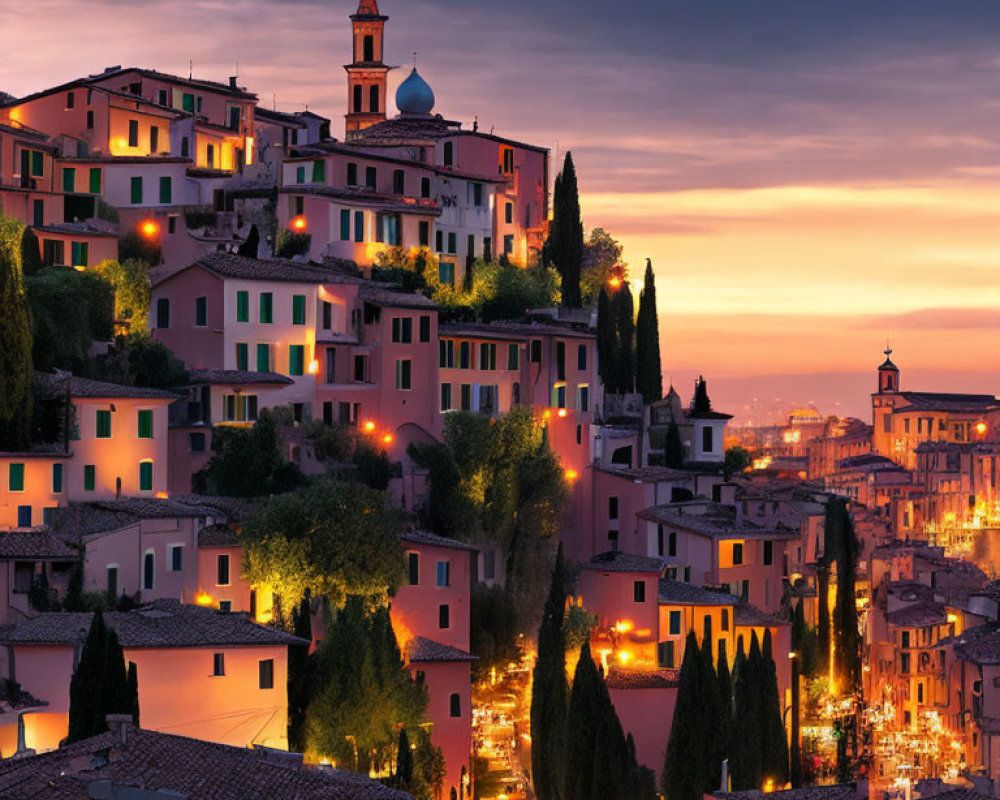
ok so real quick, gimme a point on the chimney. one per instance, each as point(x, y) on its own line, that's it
point(232, 82)
point(119, 725)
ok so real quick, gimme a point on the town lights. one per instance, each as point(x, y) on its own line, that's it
point(623, 626)
point(387, 439)
point(981, 428)
point(562, 412)
point(298, 223)
point(572, 474)
point(149, 228)
point(313, 367)
point(615, 283)
point(624, 656)
point(203, 599)
point(369, 426)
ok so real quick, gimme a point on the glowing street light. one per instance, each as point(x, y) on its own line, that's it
point(149, 228)
point(298, 223)
point(369, 426)
point(387, 439)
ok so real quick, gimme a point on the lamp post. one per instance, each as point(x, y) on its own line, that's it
point(795, 751)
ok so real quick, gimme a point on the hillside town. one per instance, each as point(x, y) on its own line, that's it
point(340, 464)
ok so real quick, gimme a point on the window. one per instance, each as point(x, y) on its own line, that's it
point(187, 102)
point(413, 560)
point(508, 160)
point(69, 179)
point(402, 330)
point(331, 365)
point(425, 328)
point(298, 309)
point(446, 397)
point(581, 358)
point(444, 573)
point(239, 407)
point(210, 155)
point(222, 570)
point(465, 397)
point(176, 558)
point(446, 273)
point(319, 171)
point(360, 368)
point(37, 168)
point(196, 442)
point(477, 194)
point(639, 591)
point(725, 620)
point(536, 351)
point(200, 312)
point(452, 242)
point(512, 356)
point(768, 553)
point(296, 359)
point(242, 306)
point(161, 97)
point(266, 307)
point(449, 153)
point(444, 616)
point(185, 147)
point(154, 139)
point(300, 174)
point(373, 98)
point(359, 226)
point(95, 180)
point(145, 476)
point(103, 424)
point(446, 354)
point(465, 355)
point(70, 100)
point(508, 213)
point(266, 673)
point(218, 664)
point(706, 627)
point(672, 544)
point(148, 570)
point(398, 181)
point(665, 654)
point(79, 252)
point(425, 187)
point(133, 133)
point(508, 244)
point(424, 233)
point(15, 477)
point(737, 553)
point(166, 190)
point(371, 178)
point(583, 398)
point(89, 477)
point(242, 356)
point(368, 48)
point(612, 508)
point(352, 174)
point(136, 191)
point(172, 223)
point(345, 225)
point(675, 623)
point(112, 581)
point(145, 424)
point(38, 214)
point(57, 478)
point(439, 241)
point(163, 313)
point(403, 368)
point(455, 705)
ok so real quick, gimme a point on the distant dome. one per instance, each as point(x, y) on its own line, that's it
point(414, 95)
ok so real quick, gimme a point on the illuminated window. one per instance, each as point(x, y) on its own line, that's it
point(133, 133)
point(79, 253)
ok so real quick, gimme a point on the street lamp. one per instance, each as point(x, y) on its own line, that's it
point(795, 751)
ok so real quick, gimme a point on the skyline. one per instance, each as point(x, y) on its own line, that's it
point(803, 179)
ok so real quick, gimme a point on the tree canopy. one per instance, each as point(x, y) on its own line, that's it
point(564, 247)
point(602, 257)
point(15, 343)
point(130, 281)
point(649, 374)
point(332, 538)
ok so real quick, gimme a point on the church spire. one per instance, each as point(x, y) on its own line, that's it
point(888, 373)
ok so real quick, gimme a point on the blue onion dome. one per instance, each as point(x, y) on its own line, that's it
point(414, 96)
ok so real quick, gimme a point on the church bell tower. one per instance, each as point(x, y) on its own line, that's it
point(367, 75)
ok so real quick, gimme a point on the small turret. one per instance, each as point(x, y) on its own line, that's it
point(888, 374)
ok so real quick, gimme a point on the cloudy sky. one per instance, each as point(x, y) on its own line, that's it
point(807, 177)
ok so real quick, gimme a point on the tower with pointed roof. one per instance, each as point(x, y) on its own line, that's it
point(367, 75)
point(888, 374)
point(883, 402)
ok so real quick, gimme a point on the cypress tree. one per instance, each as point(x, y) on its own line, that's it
point(15, 343)
point(845, 612)
point(701, 403)
point(583, 719)
point(674, 448)
point(299, 669)
point(250, 247)
point(649, 374)
point(549, 692)
point(624, 314)
point(711, 704)
point(115, 692)
point(564, 247)
point(746, 744)
point(607, 343)
point(684, 775)
point(133, 691)
point(822, 660)
point(404, 762)
point(31, 253)
point(775, 741)
point(724, 679)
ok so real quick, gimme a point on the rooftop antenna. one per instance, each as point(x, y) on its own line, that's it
point(414, 59)
point(190, 69)
point(274, 101)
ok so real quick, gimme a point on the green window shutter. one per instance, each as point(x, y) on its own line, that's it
point(146, 424)
point(146, 476)
point(319, 171)
point(37, 165)
point(136, 191)
point(103, 424)
point(296, 358)
point(359, 226)
point(266, 307)
point(187, 102)
point(300, 174)
point(166, 190)
point(298, 309)
point(57, 478)
point(345, 225)
point(95, 180)
point(80, 252)
point(263, 358)
point(242, 356)
point(243, 306)
point(15, 481)
point(89, 477)
point(69, 179)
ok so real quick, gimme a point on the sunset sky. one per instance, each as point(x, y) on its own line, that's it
point(808, 177)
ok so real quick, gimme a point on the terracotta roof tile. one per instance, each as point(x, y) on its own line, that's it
point(41, 545)
point(86, 388)
point(661, 679)
point(432, 539)
point(680, 593)
point(421, 649)
point(616, 561)
point(236, 377)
